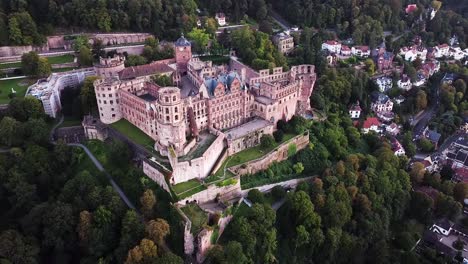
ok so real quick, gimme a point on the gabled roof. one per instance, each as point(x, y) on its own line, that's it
point(144, 70)
point(433, 135)
point(371, 121)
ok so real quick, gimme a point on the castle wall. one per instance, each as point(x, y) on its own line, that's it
point(208, 195)
point(198, 167)
point(279, 154)
point(155, 175)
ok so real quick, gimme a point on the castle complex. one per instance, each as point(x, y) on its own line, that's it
point(210, 109)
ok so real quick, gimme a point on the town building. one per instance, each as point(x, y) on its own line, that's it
point(221, 19)
point(381, 103)
point(49, 90)
point(442, 50)
point(397, 148)
point(393, 129)
point(441, 237)
point(413, 52)
point(284, 42)
point(361, 51)
point(383, 59)
point(371, 124)
point(404, 83)
point(384, 83)
point(345, 51)
point(332, 46)
point(209, 110)
point(355, 111)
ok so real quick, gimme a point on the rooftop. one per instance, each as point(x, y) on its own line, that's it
point(144, 70)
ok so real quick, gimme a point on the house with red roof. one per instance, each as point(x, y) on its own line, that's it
point(371, 124)
point(411, 8)
point(345, 50)
point(397, 148)
point(332, 46)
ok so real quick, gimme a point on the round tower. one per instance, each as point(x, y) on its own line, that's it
point(107, 100)
point(110, 67)
point(183, 53)
point(170, 121)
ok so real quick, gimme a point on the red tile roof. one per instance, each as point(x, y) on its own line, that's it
point(144, 70)
point(371, 121)
point(332, 42)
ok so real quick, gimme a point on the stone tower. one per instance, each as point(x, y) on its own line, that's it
point(170, 122)
point(183, 53)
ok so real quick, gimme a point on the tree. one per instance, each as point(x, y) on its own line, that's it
point(79, 42)
point(88, 96)
point(162, 80)
point(131, 232)
point(278, 135)
point(421, 100)
point(44, 68)
point(135, 60)
point(255, 196)
point(18, 249)
point(460, 191)
point(436, 5)
point(147, 201)
point(298, 168)
point(200, 38)
point(30, 63)
point(417, 172)
point(10, 133)
point(370, 66)
point(426, 145)
point(211, 26)
point(267, 141)
point(145, 252)
point(157, 230)
point(170, 258)
point(234, 253)
point(120, 154)
point(85, 57)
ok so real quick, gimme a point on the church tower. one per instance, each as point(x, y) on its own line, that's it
point(183, 53)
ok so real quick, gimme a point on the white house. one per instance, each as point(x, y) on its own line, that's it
point(382, 104)
point(361, 51)
point(442, 50)
point(384, 83)
point(397, 148)
point(420, 80)
point(345, 51)
point(355, 111)
point(413, 52)
point(332, 46)
point(404, 83)
point(221, 19)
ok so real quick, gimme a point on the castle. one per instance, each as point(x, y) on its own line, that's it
point(211, 111)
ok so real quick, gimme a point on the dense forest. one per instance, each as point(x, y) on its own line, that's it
point(58, 208)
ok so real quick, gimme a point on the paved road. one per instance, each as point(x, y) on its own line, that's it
point(420, 122)
point(281, 21)
point(96, 163)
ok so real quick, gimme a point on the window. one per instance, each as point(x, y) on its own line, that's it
point(176, 117)
point(167, 118)
point(105, 102)
point(103, 95)
point(111, 102)
point(112, 109)
point(173, 98)
point(176, 110)
point(167, 110)
point(113, 115)
point(167, 99)
point(110, 95)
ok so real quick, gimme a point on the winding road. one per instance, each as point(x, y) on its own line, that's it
point(96, 162)
point(420, 121)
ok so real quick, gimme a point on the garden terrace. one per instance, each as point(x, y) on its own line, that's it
point(133, 133)
point(188, 188)
point(197, 216)
point(206, 139)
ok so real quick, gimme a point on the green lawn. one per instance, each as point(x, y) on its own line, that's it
point(70, 121)
point(19, 85)
point(10, 65)
point(191, 192)
point(67, 58)
point(184, 186)
point(133, 133)
point(63, 69)
point(254, 153)
point(197, 216)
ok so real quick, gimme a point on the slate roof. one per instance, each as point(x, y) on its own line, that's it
point(433, 136)
point(225, 79)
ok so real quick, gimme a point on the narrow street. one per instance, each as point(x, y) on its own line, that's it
point(420, 122)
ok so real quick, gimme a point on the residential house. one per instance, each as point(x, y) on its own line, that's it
point(386, 116)
point(441, 237)
point(381, 103)
point(345, 51)
point(385, 83)
point(442, 50)
point(361, 51)
point(420, 79)
point(332, 46)
point(393, 129)
point(355, 111)
point(404, 83)
point(384, 59)
point(432, 136)
point(411, 8)
point(284, 42)
point(221, 19)
point(397, 148)
point(413, 52)
point(371, 124)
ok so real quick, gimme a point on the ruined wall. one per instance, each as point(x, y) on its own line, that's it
point(279, 154)
point(285, 184)
point(204, 244)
